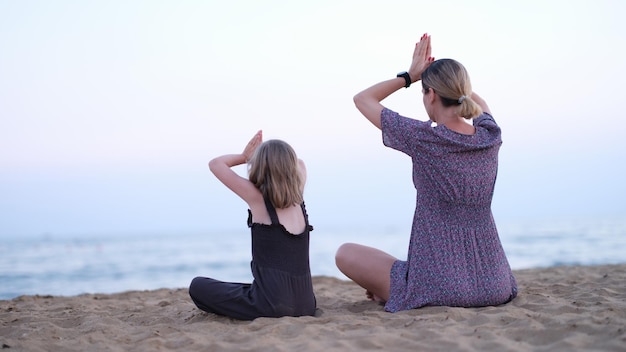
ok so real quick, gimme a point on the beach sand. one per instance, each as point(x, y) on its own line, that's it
point(558, 309)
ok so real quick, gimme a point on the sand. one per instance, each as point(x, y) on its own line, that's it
point(558, 309)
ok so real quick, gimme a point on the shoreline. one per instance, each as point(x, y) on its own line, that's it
point(558, 308)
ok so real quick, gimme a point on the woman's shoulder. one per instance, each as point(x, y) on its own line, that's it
point(485, 119)
point(487, 129)
point(391, 118)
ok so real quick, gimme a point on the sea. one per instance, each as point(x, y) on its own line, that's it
point(68, 265)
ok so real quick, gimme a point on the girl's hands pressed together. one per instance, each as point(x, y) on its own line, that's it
point(254, 143)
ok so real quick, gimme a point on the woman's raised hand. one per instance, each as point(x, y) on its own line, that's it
point(254, 143)
point(421, 58)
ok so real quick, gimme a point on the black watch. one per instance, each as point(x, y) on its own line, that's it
point(407, 78)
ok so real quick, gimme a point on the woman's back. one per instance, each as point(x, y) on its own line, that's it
point(455, 257)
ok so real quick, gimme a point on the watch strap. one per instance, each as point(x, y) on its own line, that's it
point(407, 78)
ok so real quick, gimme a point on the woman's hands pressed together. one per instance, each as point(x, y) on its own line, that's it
point(421, 58)
point(369, 100)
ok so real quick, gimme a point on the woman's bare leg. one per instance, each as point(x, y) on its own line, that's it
point(369, 267)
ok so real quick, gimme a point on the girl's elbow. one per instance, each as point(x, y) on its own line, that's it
point(213, 165)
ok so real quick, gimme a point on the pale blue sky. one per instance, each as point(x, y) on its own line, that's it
point(110, 110)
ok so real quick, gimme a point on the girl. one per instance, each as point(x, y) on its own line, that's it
point(280, 229)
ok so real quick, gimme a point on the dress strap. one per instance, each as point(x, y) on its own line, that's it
point(309, 227)
point(272, 211)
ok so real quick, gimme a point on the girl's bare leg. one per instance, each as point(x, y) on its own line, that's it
point(369, 267)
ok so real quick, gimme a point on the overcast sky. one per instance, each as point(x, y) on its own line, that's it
point(110, 110)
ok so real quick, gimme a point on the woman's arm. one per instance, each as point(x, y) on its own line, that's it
point(368, 101)
point(481, 102)
point(222, 169)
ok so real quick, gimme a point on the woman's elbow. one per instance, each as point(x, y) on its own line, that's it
point(362, 104)
point(358, 100)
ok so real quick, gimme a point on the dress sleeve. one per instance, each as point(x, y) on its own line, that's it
point(487, 123)
point(404, 134)
point(485, 119)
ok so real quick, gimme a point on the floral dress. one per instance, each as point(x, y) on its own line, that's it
point(455, 257)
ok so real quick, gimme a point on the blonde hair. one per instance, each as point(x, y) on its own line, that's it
point(273, 169)
point(449, 79)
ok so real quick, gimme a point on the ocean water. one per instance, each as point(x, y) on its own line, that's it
point(57, 264)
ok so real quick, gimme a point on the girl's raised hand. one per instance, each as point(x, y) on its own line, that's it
point(254, 143)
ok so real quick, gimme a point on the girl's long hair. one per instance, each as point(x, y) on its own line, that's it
point(273, 169)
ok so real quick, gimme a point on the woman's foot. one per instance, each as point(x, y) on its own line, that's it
point(373, 297)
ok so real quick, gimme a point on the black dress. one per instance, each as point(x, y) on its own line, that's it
point(282, 283)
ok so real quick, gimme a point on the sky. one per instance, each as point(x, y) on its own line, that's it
point(111, 110)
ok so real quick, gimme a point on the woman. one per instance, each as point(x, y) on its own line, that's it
point(282, 284)
point(455, 257)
